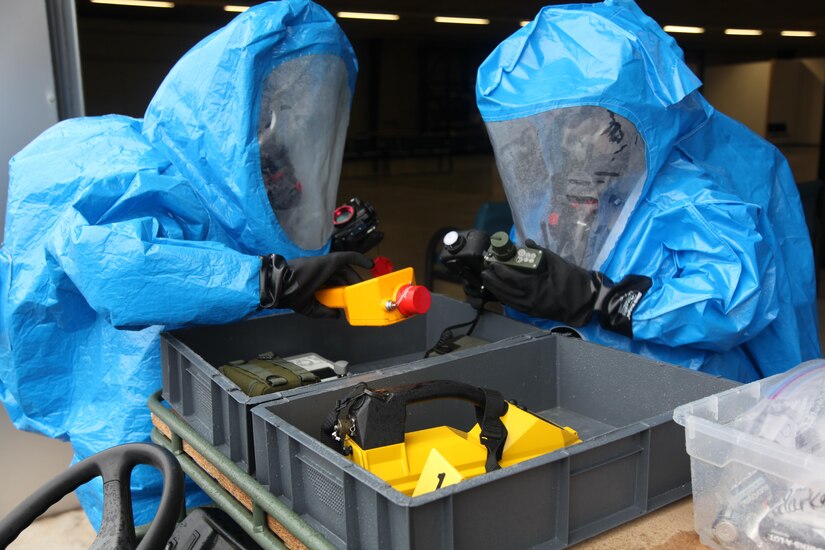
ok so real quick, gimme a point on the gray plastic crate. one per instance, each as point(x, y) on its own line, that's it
point(220, 412)
point(631, 460)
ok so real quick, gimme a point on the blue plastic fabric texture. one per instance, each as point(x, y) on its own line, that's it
point(719, 227)
point(120, 228)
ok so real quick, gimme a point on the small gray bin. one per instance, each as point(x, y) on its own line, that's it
point(220, 412)
point(631, 460)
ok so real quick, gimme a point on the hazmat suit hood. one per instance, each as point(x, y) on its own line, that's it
point(594, 118)
point(118, 228)
point(611, 158)
point(255, 118)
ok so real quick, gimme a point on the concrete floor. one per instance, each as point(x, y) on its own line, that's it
point(413, 199)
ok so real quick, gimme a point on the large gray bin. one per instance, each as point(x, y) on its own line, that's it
point(632, 458)
point(220, 412)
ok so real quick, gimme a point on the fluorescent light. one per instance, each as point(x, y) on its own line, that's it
point(236, 9)
point(137, 3)
point(798, 34)
point(522, 23)
point(681, 29)
point(743, 32)
point(462, 20)
point(371, 16)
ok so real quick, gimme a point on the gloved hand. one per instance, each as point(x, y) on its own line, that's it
point(464, 256)
point(292, 285)
point(567, 293)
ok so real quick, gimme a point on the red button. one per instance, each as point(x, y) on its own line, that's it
point(413, 299)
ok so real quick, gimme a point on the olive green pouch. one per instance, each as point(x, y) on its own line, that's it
point(266, 374)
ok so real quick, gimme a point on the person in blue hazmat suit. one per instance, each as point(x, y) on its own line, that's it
point(669, 229)
point(214, 206)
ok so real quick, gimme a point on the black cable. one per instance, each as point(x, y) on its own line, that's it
point(447, 335)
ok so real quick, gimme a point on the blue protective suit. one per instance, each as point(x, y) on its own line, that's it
point(119, 228)
point(716, 221)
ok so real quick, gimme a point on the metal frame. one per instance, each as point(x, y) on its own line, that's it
point(63, 37)
point(263, 502)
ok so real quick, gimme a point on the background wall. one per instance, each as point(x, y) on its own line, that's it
point(28, 104)
point(406, 86)
point(740, 91)
point(125, 61)
point(780, 100)
point(27, 107)
point(796, 99)
point(795, 107)
point(416, 90)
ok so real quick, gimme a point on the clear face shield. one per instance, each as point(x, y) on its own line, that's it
point(301, 132)
point(572, 177)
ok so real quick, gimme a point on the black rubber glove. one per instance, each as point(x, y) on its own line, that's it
point(465, 258)
point(292, 285)
point(567, 293)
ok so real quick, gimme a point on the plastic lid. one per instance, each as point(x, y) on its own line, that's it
point(413, 299)
point(342, 214)
point(725, 531)
point(501, 246)
point(453, 241)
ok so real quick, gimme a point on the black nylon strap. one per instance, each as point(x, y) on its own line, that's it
point(335, 414)
point(493, 432)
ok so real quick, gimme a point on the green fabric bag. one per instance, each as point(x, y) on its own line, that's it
point(266, 374)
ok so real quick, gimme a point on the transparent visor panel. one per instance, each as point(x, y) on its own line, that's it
point(301, 133)
point(572, 177)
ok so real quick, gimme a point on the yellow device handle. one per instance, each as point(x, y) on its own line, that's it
point(379, 301)
point(332, 297)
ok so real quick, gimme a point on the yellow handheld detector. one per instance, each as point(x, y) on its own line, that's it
point(368, 427)
point(379, 301)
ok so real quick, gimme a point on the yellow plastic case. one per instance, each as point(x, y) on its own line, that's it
point(441, 456)
point(379, 301)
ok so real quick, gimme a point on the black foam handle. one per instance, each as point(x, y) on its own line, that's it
point(380, 419)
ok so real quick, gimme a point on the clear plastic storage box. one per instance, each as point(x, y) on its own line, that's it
point(758, 462)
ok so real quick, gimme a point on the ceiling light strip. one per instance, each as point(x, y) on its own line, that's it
point(370, 16)
point(743, 32)
point(798, 34)
point(462, 20)
point(137, 3)
point(235, 9)
point(682, 29)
